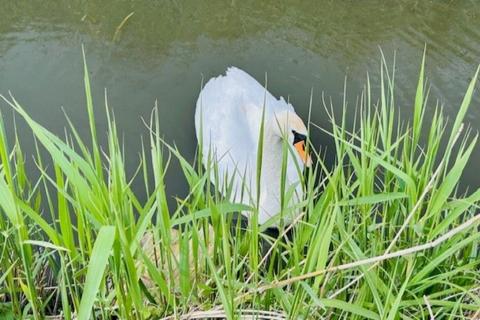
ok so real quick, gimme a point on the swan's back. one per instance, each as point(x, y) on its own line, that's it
point(238, 90)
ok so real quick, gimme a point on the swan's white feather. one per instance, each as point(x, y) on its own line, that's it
point(227, 118)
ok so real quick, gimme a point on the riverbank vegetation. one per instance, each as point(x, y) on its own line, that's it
point(384, 233)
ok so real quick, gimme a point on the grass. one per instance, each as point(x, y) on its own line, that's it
point(383, 234)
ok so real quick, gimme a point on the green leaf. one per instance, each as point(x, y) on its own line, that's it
point(463, 109)
point(204, 213)
point(96, 268)
point(373, 199)
point(448, 251)
point(450, 181)
point(45, 244)
point(348, 307)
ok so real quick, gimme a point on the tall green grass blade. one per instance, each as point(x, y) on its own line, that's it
point(96, 268)
point(91, 116)
point(463, 108)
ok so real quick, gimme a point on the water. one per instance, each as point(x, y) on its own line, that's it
point(165, 48)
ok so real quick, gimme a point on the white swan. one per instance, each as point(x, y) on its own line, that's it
point(227, 120)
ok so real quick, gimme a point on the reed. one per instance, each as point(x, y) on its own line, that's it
point(383, 234)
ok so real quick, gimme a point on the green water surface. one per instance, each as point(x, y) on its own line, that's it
point(162, 52)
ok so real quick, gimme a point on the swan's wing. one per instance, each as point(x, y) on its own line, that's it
point(254, 93)
point(242, 97)
point(227, 120)
point(224, 129)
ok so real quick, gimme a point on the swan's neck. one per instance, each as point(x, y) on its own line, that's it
point(271, 174)
point(272, 154)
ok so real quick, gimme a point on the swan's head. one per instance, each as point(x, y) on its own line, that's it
point(291, 127)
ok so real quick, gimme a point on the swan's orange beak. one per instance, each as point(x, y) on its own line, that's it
point(300, 147)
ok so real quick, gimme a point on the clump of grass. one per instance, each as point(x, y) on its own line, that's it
point(383, 234)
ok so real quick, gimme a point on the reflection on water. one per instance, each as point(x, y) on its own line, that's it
point(166, 47)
